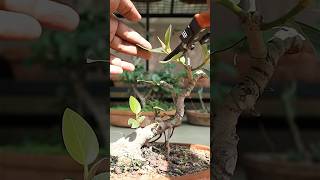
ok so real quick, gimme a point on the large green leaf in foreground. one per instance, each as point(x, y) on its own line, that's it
point(79, 138)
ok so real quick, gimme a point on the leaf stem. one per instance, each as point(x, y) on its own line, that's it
point(85, 172)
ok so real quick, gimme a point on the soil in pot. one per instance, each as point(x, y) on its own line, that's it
point(185, 162)
point(278, 167)
point(198, 117)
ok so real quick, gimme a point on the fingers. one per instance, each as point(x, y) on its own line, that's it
point(131, 36)
point(120, 45)
point(125, 8)
point(117, 65)
point(48, 13)
point(124, 39)
point(115, 69)
point(18, 26)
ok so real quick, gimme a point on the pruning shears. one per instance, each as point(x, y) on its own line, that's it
point(197, 31)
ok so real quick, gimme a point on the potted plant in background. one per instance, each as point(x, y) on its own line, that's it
point(135, 156)
point(200, 116)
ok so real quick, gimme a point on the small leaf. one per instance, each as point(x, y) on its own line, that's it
point(205, 51)
point(148, 82)
point(102, 176)
point(163, 45)
point(182, 60)
point(134, 105)
point(155, 78)
point(158, 50)
point(79, 138)
point(167, 38)
point(133, 123)
point(141, 119)
point(159, 108)
point(155, 50)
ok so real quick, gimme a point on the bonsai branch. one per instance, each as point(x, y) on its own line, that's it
point(139, 95)
point(245, 94)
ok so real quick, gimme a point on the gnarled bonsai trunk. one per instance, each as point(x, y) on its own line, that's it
point(264, 60)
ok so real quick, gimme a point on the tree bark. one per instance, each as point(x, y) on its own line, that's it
point(243, 96)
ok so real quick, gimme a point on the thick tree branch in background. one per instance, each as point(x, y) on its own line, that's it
point(302, 4)
point(245, 94)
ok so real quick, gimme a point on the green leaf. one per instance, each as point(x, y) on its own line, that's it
point(134, 105)
point(141, 119)
point(159, 108)
point(155, 78)
point(79, 138)
point(175, 57)
point(163, 45)
point(155, 50)
point(102, 176)
point(182, 60)
point(168, 38)
point(205, 51)
point(133, 123)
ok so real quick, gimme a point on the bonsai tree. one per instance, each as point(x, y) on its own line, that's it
point(141, 80)
point(265, 55)
point(82, 144)
point(131, 147)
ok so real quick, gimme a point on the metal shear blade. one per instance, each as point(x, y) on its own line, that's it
point(176, 51)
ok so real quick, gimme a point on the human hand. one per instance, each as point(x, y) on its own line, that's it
point(123, 38)
point(23, 20)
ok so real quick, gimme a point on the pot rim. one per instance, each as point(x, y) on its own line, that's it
point(147, 113)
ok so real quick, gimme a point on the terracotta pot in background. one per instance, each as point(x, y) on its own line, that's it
point(120, 117)
point(198, 118)
point(16, 166)
point(273, 167)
